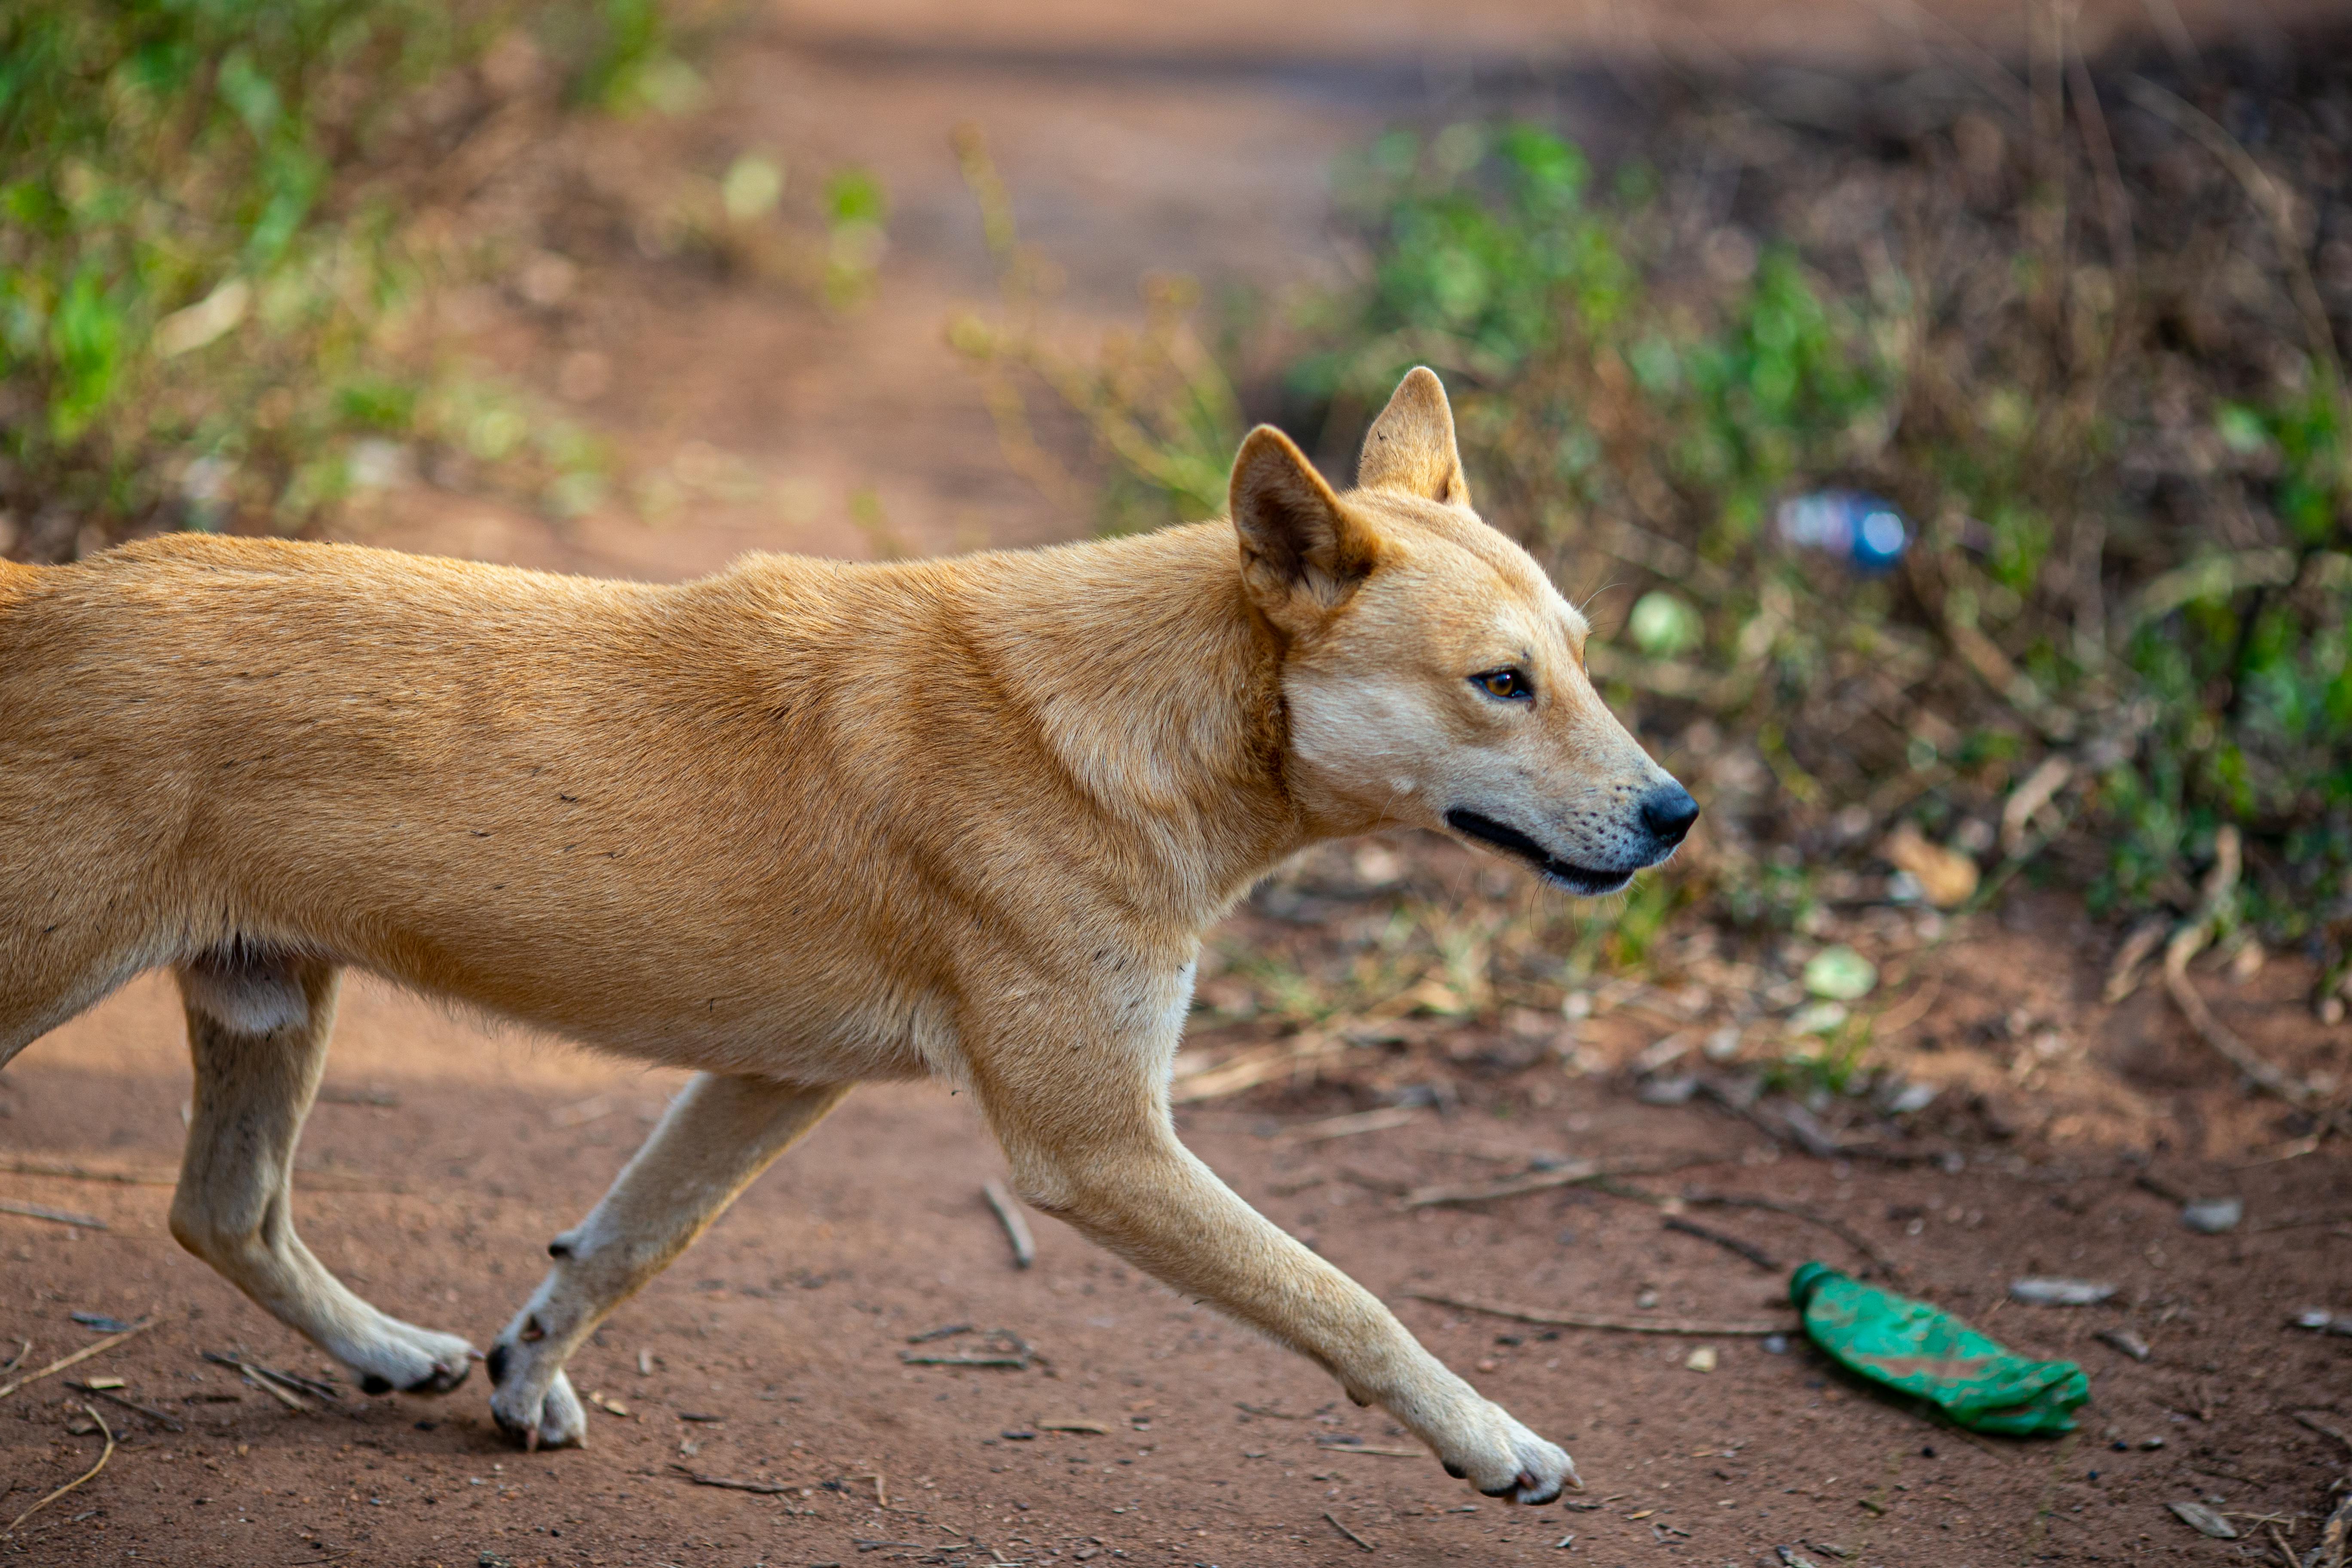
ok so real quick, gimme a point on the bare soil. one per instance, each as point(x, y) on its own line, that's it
point(445, 1156)
point(443, 1159)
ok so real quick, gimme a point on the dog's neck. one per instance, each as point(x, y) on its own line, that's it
point(1154, 688)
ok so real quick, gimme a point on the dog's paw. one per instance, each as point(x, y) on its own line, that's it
point(411, 1359)
point(551, 1418)
point(1509, 1461)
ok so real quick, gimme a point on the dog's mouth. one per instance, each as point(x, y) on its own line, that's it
point(1583, 880)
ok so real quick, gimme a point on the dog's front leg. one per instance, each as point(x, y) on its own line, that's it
point(1090, 1141)
point(719, 1133)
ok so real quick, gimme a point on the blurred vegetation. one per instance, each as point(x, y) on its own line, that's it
point(2080, 335)
point(209, 287)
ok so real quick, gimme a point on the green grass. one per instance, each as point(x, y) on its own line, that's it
point(208, 298)
point(1633, 404)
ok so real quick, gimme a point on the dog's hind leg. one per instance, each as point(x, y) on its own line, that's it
point(258, 1027)
point(717, 1135)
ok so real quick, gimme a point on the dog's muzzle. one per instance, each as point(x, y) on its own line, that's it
point(1665, 813)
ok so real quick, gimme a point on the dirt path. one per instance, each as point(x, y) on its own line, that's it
point(444, 1159)
point(1193, 139)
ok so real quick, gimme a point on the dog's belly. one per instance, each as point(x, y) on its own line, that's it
point(798, 1039)
point(810, 1011)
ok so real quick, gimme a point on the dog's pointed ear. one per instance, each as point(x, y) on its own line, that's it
point(1302, 551)
point(1409, 447)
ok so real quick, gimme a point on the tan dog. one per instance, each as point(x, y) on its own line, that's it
point(797, 825)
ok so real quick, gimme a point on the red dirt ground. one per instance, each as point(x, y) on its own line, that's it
point(786, 1324)
point(445, 1157)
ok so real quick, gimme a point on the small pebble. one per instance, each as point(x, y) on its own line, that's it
point(2059, 1293)
point(2213, 1216)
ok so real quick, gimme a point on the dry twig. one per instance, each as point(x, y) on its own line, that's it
point(2311, 1419)
point(77, 1480)
point(765, 1488)
point(1357, 1121)
point(272, 1383)
point(1251, 1068)
point(2189, 939)
point(1568, 1175)
point(168, 1422)
point(1746, 1249)
point(1835, 1226)
point(65, 1171)
point(1017, 1227)
point(1343, 1530)
point(1608, 1325)
point(58, 1216)
point(79, 1356)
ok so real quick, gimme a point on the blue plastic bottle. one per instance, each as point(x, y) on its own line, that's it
point(1863, 530)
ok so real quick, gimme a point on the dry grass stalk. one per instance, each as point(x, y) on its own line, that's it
point(65, 1171)
point(55, 1216)
point(79, 1356)
point(161, 1417)
point(1568, 1175)
point(1680, 1326)
point(77, 1480)
point(1017, 1227)
point(1300, 1056)
point(1343, 1530)
point(765, 1488)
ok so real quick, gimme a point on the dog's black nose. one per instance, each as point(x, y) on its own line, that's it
point(1668, 811)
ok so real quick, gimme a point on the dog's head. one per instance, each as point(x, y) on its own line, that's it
point(1434, 677)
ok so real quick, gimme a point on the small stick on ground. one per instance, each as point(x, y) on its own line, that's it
point(1016, 1228)
point(1569, 1175)
point(24, 1349)
point(1835, 1226)
point(262, 1380)
point(2311, 1418)
point(1605, 1324)
point(55, 1216)
point(79, 1356)
point(77, 1480)
point(1355, 1122)
point(1343, 1530)
point(947, 1332)
point(765, 1488)
point(168, 1422)
point(1746, 1249)
point(2213, 1032)
point(881, 1498)
point(65, 1170)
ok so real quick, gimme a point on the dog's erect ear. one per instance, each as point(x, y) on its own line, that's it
point(1409, 447)
point(1302, 552)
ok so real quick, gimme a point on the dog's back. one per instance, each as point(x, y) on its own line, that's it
point(429, 767)
point(568, 800)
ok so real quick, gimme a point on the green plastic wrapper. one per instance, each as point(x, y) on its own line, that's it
point(1911, 1346)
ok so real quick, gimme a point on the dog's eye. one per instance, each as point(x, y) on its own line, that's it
point(1505, 684)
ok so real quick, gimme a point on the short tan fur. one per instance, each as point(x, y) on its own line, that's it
point(794, 827)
